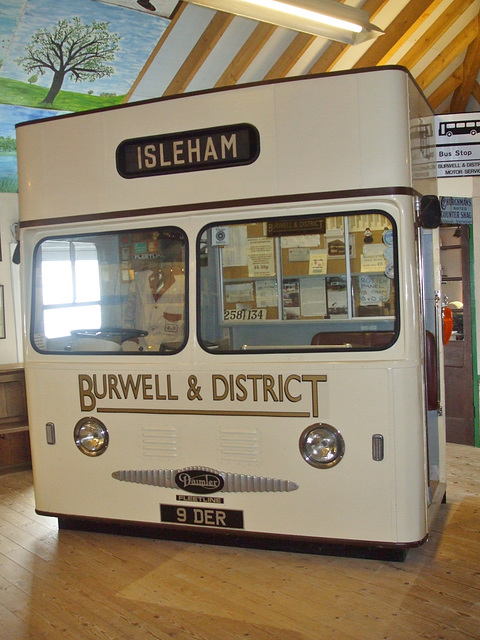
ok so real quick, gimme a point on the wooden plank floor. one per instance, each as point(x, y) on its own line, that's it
point(78, 585)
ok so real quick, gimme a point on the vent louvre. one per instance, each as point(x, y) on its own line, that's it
point(239, 445)
point(159, 442)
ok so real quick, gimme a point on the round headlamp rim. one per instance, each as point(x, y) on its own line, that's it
point(315, 463)
point(76, 436)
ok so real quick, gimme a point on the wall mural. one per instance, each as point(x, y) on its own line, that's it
point(62, 57)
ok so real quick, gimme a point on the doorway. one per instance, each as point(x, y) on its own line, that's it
point(459, 366)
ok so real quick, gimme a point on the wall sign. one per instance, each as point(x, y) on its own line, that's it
point(295, 226)
point(456, 210)
point(458, 145)
point(228, 146)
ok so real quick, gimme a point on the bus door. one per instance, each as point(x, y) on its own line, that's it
point(433, 335)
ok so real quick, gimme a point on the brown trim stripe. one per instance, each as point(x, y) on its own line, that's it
point(207, 412)
point(239, 202)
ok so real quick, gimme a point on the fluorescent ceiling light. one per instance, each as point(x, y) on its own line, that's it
point(318, 17)
point(307, 14)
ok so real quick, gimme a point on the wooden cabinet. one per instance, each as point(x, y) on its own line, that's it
point(14, 437)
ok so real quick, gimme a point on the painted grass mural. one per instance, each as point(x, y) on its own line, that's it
point(60, 57)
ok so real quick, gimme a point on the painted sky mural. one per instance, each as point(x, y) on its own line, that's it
point(31, 87)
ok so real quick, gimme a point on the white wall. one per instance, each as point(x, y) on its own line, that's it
point(10, 347)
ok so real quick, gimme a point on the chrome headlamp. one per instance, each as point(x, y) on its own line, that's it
point(321, 445)
point(91, 436)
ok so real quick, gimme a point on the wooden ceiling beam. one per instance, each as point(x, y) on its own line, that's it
point(471, 67)
point(446, 89)
point(199, 53)
point(175, 18)
point(398, 32)
point(290, 56)
point(461, 84)
point(332, 55)
point(476, 92)
point(448, 55)
point(253, 45)
point(329, 58)
point(434, 33)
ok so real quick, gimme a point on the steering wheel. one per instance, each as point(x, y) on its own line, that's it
point(115, 334)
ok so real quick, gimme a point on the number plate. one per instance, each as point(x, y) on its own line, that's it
point(201, 517)
point(241, 315)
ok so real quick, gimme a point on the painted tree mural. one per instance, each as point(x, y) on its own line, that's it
point(71, 47)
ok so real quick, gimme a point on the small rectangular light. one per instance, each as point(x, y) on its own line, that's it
point(50, 433)
point(378, 452)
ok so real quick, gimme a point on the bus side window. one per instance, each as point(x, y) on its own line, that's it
point(112, 291)
point(270, 285)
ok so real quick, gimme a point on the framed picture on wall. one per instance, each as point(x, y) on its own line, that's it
point(2, 314)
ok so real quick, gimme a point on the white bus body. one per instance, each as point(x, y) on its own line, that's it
point(290, 405)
